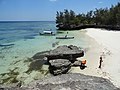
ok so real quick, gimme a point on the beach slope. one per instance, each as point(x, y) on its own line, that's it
point(109, 49)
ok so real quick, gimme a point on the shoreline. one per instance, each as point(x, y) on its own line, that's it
point(78, 27)
point(92, 55)
point(109, 48)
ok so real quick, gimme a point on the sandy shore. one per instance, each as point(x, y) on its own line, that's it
point(109, 47)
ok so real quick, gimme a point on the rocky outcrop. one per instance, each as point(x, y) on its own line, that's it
point(65, 52)
point(68, 82)
point(62, 52)
point(59, 66)
point(76, 63)
point(74, 82)
point(59, 59)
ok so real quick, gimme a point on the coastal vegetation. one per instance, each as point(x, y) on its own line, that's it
point(107, 17)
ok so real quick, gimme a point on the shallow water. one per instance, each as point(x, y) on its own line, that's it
point(27, 42)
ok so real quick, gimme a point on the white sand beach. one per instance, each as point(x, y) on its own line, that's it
point(108, 45)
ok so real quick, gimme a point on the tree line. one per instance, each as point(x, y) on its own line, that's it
point(106, 16)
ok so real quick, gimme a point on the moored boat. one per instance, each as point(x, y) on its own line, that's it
point(64, 37)
point(47, 32)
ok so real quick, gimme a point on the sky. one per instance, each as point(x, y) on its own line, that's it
point(45, 10)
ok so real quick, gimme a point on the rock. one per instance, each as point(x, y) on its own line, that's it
point(74, 81)
point(65, 52)
point(59, 59)
point(71, 82)
point(59, 66)
point(76, 63)
point(59, 62)
point(62, 52)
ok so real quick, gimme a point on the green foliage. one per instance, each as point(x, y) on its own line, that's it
point(100, 16)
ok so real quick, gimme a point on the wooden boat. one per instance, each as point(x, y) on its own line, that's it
point(64, 37)
point(47, 32)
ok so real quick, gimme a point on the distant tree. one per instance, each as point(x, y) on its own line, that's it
point(89, 17)
point(66, 16)
point(100, 16)
point(61, 19)
point(57, 17)
point(72, 17)
point(118, 14)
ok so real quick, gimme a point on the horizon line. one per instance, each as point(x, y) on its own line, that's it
point(25, 21)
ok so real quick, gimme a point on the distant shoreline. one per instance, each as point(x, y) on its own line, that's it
point(24, 21)
point(78, 27)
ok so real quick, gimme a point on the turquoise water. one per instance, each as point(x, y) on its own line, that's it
point(26, 41)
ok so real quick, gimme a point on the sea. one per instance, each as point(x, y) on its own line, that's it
point(20, 40)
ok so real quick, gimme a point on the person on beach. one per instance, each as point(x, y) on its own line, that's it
point(83, 62)
point(66, 35)
point(100, 61)
point(82, 66)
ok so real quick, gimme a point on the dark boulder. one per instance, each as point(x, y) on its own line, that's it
point(62, 52)
point(76, 63)
point(59, 59)
point(59, 66)
point(66, 52)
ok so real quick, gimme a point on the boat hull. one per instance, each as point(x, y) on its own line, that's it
point(47, 34)
point(64, 37)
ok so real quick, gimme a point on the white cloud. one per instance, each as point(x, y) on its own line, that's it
point(52, 0)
